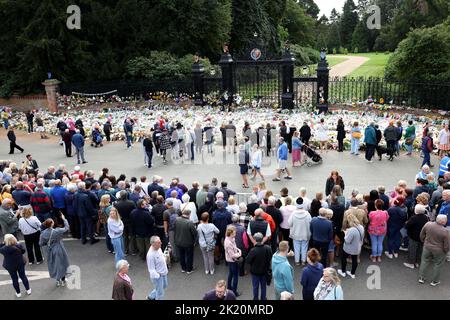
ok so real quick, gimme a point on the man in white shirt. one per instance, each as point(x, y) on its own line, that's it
point(175, 200)
point(157, 268)
point(306, 200)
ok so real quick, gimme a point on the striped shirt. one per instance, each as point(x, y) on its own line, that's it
point(40, 202)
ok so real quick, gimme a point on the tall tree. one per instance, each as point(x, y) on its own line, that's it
point(412, 14)
point(311, 8)
point(250, 18)
point(334, 34)
point(349, 20)
point(299, 25)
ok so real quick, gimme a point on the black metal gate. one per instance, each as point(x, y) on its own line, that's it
point(305, 92)
point(258, 81)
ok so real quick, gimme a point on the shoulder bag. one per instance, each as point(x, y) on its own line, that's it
point(210, 246)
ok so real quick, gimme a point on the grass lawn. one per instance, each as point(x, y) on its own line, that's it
point(372, 68)
point(334, 60)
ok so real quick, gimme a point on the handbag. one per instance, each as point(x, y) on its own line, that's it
point(356, 135)
point(240, 261)
point(102, 217)
point(211, 245)
point(408, 141)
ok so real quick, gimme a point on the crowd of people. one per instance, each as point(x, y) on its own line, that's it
point(163, 224)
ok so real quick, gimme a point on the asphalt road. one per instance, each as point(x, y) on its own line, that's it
point(97, 265)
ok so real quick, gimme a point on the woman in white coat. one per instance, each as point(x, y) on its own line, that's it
point(257, 162)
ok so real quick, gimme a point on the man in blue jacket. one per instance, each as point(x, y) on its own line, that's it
point(282, 155)
point(78, 142)
point(85, 211)
point(221, 218)
point(282, 271)
point(321, 234)
point(370, 139)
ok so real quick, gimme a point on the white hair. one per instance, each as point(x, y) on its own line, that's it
point(242, 207)
point(81, 185)
point(220, 195)
point(272, 200)
point(71, 187)
point(302, 191)
point(441, 219)
point(254, 198)
point(121, 264)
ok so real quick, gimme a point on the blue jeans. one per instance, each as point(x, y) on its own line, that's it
point(355, 145)
point(426, 159)
point(405, 238)
point(233, 276)
point(6, 124)
point(394, 240)
point(377, 245)
point(409, 147)
point(118, 248)
point(129, 140)
point(300, 248)
point(160, 285)
point(259, 281)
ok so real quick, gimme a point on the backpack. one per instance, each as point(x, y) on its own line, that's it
point(173, 216)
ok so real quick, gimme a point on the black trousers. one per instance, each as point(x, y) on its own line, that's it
point(74, 224)
point(305, 140)
point(323, 249)
point(32, 242)
point(391, 147)
point(370, 151)
point(149, 158)
point(12, 145)
point(285, 233)
point(162, 236)
point(341, 144)
point(345, 255)
point(86, 228)
point(274, 241)
point(186, 255)
point(68, 149)
point(108, 135)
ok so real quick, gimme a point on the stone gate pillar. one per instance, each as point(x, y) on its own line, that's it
point(226, 64)
point(198, 73)
point(51, 88)
point(323, 74)
point(287, 97)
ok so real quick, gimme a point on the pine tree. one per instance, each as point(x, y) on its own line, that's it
point(349, 20)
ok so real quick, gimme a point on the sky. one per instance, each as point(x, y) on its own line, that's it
point(327, 5)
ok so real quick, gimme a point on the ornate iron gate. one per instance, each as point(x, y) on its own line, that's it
point(258, 81)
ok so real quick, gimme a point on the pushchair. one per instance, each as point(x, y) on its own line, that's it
point(97, 139)
point(312, 157)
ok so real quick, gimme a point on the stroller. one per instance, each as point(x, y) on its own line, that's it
point(312, 156)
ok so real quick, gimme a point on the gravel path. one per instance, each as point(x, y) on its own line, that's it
point(345, 68)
